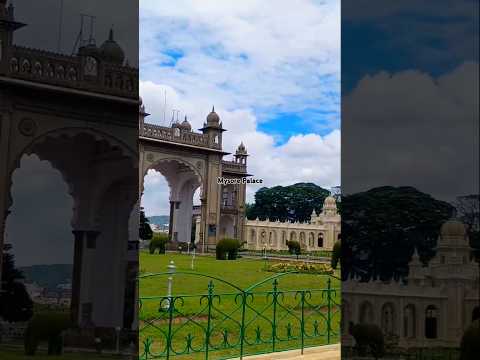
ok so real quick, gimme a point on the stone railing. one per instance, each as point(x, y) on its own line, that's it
point(233, 166)
point(174, 135)
point(68, 71)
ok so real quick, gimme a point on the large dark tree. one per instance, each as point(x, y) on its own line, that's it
point(382, 227)
point(468, 210)
point(287, 203)
point(145, 231)
point(15, 302)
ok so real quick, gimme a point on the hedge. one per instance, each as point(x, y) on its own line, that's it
point(159, 241)
point(227, 247)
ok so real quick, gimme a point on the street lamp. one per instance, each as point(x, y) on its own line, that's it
point(171, 270)
point(193, 256)
point(117, 344)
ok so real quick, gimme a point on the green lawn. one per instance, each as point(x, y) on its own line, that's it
point(190, 319)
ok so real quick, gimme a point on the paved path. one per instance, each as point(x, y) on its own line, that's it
point(327, 352)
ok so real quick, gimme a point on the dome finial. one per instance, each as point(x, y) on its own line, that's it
point(110, 34)
point(213, 108)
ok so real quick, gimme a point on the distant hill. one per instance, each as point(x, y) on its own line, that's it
point(48, 276)
point(159, 219)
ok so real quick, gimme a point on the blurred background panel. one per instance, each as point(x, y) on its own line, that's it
point(410, 177)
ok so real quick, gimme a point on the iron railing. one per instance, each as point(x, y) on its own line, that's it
point(222, 325)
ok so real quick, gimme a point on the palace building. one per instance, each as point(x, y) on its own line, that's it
point(433, 308)
point(320, 233)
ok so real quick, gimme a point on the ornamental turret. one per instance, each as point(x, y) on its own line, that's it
point(241, 154)
point(213, 128)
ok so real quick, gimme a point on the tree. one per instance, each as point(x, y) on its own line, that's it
point(382, 227)
point(15, 302)
point(145, 231)
point(287, 203)
point(468, 210)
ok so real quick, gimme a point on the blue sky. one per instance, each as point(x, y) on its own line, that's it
point(271, 70)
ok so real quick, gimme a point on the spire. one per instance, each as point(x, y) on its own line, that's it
point(213, 108)
point(110, 34)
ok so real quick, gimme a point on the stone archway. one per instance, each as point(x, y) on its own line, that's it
point(196, 160)
point(93, 164)
point(183, 180)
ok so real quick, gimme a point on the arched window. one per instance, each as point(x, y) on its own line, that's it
point(302, 238)
point(284, 237)
point(320, 240)
point(252, 237)
point(409, 322)
point(366, 313)
point(388, 319)
point(431, 322)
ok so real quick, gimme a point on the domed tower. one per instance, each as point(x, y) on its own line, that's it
point(112, 52)
point(185, 125)
point(241, 154)
point(7, 26)
point(453, 250)
point(142, 114)
point(213, 128)
point(329, 206)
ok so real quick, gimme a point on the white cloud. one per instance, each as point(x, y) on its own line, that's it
point(426, 127)
point(303, 158)
point(252, 60)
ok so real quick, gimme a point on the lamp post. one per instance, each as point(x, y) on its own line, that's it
point(193, 256)
point(171, 270)
point(265, 257)
point(117, 344)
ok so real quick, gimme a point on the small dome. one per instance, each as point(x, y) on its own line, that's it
point(213, 118)
point(111, 51)
point(241, 150)
point(453, 228)
point(186, 125)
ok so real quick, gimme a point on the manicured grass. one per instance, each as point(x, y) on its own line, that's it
point(190, 319)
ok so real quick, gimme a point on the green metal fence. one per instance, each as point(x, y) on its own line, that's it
point(260, 319)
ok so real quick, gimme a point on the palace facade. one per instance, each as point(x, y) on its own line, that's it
point(433, 308)
point(320, 233)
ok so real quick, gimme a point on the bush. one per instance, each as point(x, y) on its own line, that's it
point(227, 247)
point(336, 254)
point(159, 242)
point(294, 247)
point(46, 327)
point(368, 336)
point(470, 345)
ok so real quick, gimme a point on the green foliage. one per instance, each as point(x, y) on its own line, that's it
point(227, 247)
point(382, 227)
point(159, 241)
point(304, 268)
point(287, 203)
point(336, 254)
point(368, 337)
point(15, 303)
point(145, 231)
point(470, 345)
point(46, 327)
point(294, 247)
